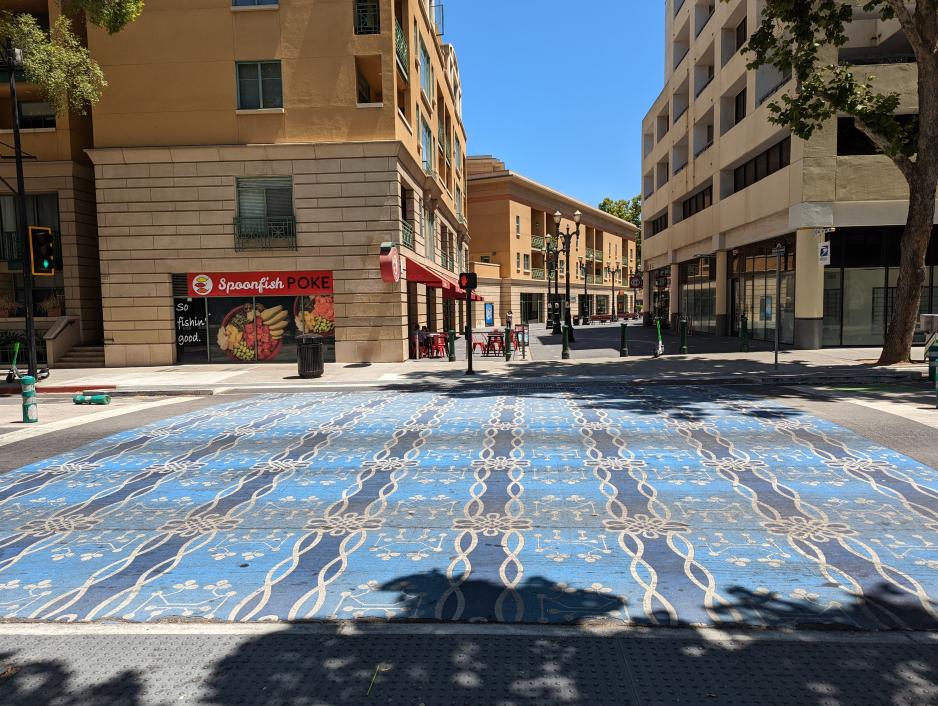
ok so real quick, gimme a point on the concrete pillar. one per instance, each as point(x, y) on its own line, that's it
point(722, 292)
point(675, 296)
point(809, 291)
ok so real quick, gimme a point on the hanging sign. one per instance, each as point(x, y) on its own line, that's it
point(824, 253)
point(390, 263)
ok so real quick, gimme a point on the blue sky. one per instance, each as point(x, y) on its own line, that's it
point(558, 89)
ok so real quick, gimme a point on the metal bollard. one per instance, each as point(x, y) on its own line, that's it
point(683, 335)
point(565, 353)
point(624, 341)
point(743, 334)
point(452, 346)
point(507, 343)
point(30, 403)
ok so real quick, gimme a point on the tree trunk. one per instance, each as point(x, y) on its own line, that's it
point(923, 184)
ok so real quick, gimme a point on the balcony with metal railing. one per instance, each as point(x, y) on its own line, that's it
point(403, 50)
point(537, 242)
point(538, 273)
point(590, 254)
point(265, 233)
point(407, 234)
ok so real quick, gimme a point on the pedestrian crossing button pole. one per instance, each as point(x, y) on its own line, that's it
point(469, 282)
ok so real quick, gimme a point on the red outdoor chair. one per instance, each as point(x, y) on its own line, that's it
point(439, 346)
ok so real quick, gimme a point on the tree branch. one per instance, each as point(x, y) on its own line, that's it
point(905, 163)
point(911, 29)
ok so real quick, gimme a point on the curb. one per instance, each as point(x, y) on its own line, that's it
point(755, 380)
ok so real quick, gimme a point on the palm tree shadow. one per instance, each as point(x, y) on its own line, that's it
point(52, 682)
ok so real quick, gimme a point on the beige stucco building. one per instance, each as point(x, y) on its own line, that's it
point(723, 186)
point(511, 215)
point(240, 139)
point(60, 196)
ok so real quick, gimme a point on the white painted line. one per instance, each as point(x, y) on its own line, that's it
point(40, 429)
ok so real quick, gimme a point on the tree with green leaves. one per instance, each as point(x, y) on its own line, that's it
point(56, 60)
point(628, 210)
point(799, 37)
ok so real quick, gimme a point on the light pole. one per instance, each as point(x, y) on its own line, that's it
point(567, 242)
point(549, 258)
point(12, 59)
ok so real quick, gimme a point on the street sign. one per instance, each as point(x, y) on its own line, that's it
point(636, 281)
point(824, 253)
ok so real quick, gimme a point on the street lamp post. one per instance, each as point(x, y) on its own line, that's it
point(551, 264)
point(567, 242)
point(12, 59)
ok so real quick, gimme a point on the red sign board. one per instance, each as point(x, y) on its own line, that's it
point(257, 284)
point(390, 263)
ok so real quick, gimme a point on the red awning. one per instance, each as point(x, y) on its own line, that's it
point(422, 275)
point(418, 273)
point(460, 295)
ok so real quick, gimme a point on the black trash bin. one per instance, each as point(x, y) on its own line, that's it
point(309, 356)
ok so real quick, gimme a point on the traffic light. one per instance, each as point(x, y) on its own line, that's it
point(468, 280)
point(42, 251)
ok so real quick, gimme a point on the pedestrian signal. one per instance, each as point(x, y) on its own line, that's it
point(469, 280)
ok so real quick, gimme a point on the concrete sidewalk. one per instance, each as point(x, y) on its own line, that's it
point(830, 366)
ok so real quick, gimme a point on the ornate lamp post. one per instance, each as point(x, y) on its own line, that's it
point(567, 242)
point(550, 266)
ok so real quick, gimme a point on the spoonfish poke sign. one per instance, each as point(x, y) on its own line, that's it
point(270, 284)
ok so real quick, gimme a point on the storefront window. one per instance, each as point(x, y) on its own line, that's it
point(532, 307)
point(753, 285)
point(252, 317)
point(833, 301)
point(699, 295)
point(864, 306)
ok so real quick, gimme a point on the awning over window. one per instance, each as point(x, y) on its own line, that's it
point(423, 275)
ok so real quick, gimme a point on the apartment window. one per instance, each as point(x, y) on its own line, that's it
point(36, 115)
point(426, 71)
point(742, 33)
point(265, 213)
point(458, 200)
point(259, 85)
point(777, 157)
point(368, 80)
point(517, 225)
point(527, 263)
point(739, 111)
point(41, 210)
point(426, 144)
point(367, 17)
point(518, 262)
point(458, 155)
point(253, 3)
point(659, 224)
point(698, 202)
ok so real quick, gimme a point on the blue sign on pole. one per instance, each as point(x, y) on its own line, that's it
point(489, 314)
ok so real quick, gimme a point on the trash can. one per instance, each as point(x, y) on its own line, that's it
point(310, 356)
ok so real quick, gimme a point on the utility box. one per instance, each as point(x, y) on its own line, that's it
point(930, 327)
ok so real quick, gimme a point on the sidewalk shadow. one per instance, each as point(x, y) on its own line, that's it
point(51, 682)
point(454, 665)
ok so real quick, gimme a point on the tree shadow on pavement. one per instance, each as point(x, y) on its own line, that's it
point(52, 682)
point(587, 663)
